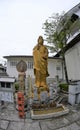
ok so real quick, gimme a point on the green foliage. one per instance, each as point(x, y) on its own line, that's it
point(57, 31)
point(51, 31)
point(16, 86)
point(63, 86)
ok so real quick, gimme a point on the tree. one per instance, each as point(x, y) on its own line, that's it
point(57, 31)
point(50, 27)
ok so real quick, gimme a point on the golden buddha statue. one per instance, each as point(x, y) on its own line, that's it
point(40, 56)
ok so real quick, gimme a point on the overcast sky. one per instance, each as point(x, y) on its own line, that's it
point(21, 23)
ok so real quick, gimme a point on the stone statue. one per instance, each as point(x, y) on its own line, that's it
point(40, 56)
point(21, 68)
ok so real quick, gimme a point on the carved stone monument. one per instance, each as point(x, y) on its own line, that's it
point(21, 68)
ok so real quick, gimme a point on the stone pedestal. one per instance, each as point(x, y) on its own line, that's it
point(74, 94)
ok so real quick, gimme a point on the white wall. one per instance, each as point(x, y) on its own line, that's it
point(73, 62)
point(11, 71)
point(52, 64)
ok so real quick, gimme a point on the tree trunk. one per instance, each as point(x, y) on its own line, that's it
point(65, 69)
point(64, 64)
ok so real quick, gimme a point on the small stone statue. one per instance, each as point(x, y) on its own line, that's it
point(21, 68)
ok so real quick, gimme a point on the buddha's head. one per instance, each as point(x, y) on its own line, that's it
point(40, 40)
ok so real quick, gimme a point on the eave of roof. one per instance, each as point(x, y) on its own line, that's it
point(13, 56)
point(27, 56)
point(7, 79)
point(73, 10)
point(73, 42)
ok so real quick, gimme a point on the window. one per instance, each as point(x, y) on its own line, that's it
point(13, 63)
point(8, 85)
point(30, 65)
point(2, 85)
point(5, 85)
point(58, 68)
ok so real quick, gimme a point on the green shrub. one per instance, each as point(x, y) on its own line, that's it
point(63, 86)
point(16, 86)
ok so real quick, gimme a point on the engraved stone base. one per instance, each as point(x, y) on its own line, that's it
point(44, 99)
point(49, 113)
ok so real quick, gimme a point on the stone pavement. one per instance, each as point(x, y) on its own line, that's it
point(9, 120)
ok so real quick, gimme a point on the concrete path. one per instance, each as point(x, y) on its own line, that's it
point(9, 120)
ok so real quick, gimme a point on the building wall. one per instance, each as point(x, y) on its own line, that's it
point(73, 62)
point(54, 67)
point(11, 66)
point(72, 55)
